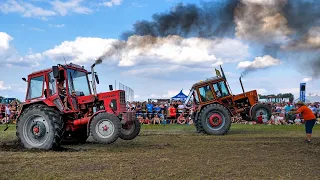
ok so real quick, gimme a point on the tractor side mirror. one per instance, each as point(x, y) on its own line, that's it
point(97, 78)
point(24, 79)
point(55, 70)
point(110, 87)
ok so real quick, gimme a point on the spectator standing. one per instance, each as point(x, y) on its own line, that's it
point(308, 116)
point(150, 110)
point(8, 113)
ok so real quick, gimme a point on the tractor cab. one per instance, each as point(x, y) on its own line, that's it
point(212, 90)
point(59, 86)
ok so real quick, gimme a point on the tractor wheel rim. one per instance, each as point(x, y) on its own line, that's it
point(105, 128)
point(215, 120)
point(36, 130)
point(129, 128)
point(261, 110)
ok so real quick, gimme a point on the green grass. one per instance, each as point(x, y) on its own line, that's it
point(172, 152)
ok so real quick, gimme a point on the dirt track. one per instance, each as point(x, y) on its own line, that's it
point(173, 154)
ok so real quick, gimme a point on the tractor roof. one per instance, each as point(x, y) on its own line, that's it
point(74, 66)
point(208, 80)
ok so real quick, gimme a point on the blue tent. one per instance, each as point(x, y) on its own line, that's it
point(180, 96)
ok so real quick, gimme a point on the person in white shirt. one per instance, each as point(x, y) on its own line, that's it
point(8, 113)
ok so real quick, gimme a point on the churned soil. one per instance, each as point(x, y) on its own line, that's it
point(172, 152)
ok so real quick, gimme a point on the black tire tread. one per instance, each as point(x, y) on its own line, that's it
point(212, 106)
point(134, 134)
point(54, 118)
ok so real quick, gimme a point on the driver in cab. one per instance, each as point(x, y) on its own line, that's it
point(63, 93)
point(209, 95)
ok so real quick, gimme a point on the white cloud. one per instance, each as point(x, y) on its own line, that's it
point(168, 94)
point(138, 5)
point(260, 63)
point(289, 90)
point(164, 71)
point(3, 86)
point(56, 7)
point(307, 79)
point(63, 8)
point(147, 50)
point(26, 9)
point(112, 3)
point(37, 29)
point(81, 50)
point(4, 41)
point(56, 25)
point(10, 57)
point(261, 91)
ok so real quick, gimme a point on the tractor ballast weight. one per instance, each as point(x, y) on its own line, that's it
point(60, 105)
point(214, 105)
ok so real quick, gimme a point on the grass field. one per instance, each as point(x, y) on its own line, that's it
point(173, 152)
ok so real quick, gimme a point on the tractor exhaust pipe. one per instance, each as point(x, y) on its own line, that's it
point(242, 86)
point(94, 86)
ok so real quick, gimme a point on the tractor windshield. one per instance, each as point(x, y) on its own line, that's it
point(78, 82)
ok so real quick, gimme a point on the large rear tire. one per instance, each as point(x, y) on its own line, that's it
point(215, 119)
point(105, 128)
point(129, 132)
point(40, 127)
point(260, 108)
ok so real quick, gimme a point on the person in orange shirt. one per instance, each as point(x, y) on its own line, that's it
point(173, 113)
point(308, 117)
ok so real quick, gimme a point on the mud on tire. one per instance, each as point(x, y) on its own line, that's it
point(215, 119)
point(105, 128)
point(131, 132)
point(40, 127)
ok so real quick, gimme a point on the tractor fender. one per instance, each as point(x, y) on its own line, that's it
point(88, 124)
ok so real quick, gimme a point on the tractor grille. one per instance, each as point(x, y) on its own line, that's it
point(122, 97)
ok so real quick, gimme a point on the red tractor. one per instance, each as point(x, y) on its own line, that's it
point(60, 105)
point(214, 105)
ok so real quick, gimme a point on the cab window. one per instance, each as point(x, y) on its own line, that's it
point(221, 89)
point(35, 87)
point(206, 93)
point(52, 84)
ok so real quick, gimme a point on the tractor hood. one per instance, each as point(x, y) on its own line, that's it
point(251, 95)
point(113, 100)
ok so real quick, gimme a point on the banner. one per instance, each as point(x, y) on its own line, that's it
point(303, 92)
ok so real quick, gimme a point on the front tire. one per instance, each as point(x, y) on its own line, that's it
point(40, 127)
point(130, 132)
point(215, 119)
point(105, 128)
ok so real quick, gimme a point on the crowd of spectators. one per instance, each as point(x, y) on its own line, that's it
point(178, 113)
point(9, 112)
point(162, 112)
point(280, 115)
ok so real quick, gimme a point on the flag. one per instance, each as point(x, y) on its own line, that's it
point(218, 73)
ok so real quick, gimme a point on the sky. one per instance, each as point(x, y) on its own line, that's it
point(38, 34)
